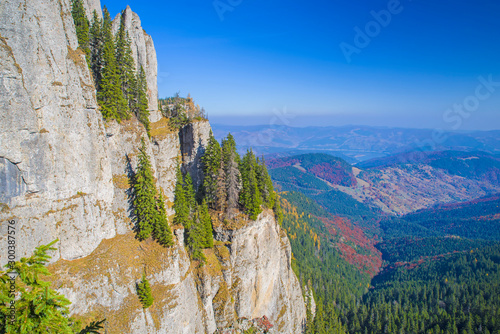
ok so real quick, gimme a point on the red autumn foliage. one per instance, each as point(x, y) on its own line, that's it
point(333, 173)
point(351, 234)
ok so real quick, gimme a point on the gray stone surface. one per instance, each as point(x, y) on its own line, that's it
point(194, 139)
point(51, 130)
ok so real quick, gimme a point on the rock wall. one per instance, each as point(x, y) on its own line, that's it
point(260, 273)
point(144, 54)
point(65, 174)
point(58, 181)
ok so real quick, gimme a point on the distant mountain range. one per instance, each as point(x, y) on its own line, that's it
point(394, 184)
point(354, 143)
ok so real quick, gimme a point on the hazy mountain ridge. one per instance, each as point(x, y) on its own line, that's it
point(357, 142)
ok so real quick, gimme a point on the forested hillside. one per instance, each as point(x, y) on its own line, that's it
point(440, 266)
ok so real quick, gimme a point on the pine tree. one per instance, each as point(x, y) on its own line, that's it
point(144, 292)
point(309, 317)
point(82, 26)
point(38, 308)
point(211, 163)
point(190, 193)
point(231, 160)
point(144, 196)
point(181, 206)
point(162, 231)
point(110, 96)
point(266, 187)
point(141, 99)
point(278, 212)
point(96, 47)
point(250, 195)
point(206, 223)
point(196, 238)
point(319, 324)
point(126, 66)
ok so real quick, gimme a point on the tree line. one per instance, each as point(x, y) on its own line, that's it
point(180, 110)
point(232, 182)
point(121, 88)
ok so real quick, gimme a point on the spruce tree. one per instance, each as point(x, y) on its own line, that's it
point(96, 49)
point(265, 183)
point(231, 160)
point(162, 231)
point(190, 193)
point(250, 195)
point(144, 292)
point(82, 26)
point(196, 237)
point(126, 65)
point(110, 96)
point(38, 308)
point(278, 212)
point(206, 223)
point(144, 196)
point(181, 206)
point(141, 99)
point(211, 163)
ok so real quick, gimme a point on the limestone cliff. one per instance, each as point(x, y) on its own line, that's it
point(64, 174)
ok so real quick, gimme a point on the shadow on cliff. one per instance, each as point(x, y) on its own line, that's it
point(131, 193)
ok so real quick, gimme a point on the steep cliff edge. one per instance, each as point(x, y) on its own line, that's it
point(247, 277)
point(64, 174)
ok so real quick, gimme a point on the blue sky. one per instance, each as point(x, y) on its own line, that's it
point(267, 58)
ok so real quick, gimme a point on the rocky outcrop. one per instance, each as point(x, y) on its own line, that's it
point(90, 6)
point(144, 54)
point(260, 274)
point(53, 147)
point(248, 278)
point(65, 174)
point(194, 139)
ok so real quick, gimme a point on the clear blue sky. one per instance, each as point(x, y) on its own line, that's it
point(267, 56)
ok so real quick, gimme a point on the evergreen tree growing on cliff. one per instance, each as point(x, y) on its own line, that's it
point(250, 196)
point(231, 160)
point(140, 102)
point(278, 212)
point(181, 206)
point(196, 237)
point(162, 231)
point(265, 183)
point(190, 193)
point(144, 292)
point(126, 66)
point(38, 308)
point(82, 26)
point(96, 49)
point(206, 223)
point(144, 196)
point(110, 96)
point(211, 163)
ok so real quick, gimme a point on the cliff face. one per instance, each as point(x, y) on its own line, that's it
point(53, 145)
point(64, 174)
